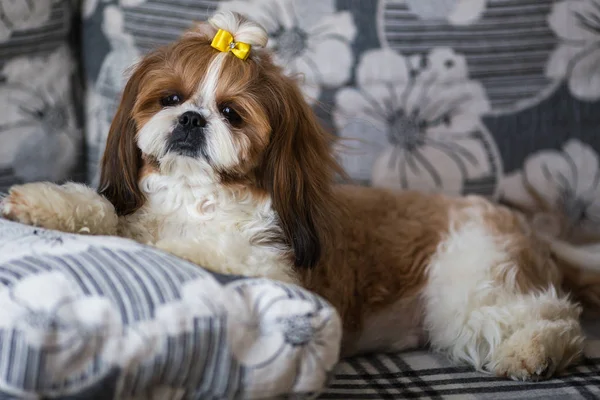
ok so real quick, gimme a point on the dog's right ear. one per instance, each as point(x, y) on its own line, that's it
point(122, 157)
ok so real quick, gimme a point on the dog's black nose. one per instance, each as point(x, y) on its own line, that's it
point(192, 119)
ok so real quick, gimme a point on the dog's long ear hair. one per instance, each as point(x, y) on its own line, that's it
point(122, 158)
point(298, 171)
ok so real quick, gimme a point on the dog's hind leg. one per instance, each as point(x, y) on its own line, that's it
point(494, 301)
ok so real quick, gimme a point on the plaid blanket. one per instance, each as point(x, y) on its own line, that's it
point(424, 375)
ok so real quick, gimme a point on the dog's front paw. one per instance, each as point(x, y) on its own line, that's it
point(71, 208)
point(20, 204)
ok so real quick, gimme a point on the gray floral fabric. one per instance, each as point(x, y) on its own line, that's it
point(496, 97)
point(40, 132)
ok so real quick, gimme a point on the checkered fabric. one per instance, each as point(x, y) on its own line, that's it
point(424, 375)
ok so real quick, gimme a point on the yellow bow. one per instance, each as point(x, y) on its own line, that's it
point(223, 41)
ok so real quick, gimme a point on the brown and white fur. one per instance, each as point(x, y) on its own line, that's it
point(244, 184)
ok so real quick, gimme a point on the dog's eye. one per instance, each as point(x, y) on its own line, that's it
point(230, 115)
point(170, 100)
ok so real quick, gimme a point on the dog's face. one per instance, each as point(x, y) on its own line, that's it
point(205, 109)
point(206, 116)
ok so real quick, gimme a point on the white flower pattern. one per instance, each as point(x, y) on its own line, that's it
point(290, 328)
point(38, 114)
point(506, 43)
point(416, 121)
point(24, 242)
point(577, 57)
point(54, 314)
point(310, 39)
point(21, 15)
point(89, 6)
point(566, 182)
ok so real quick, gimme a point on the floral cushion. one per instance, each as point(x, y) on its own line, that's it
point(105, 318)
point(40, 135)
point(460, 96)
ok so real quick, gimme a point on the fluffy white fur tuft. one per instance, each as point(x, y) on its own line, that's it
point(243, 30)
point(209, 224)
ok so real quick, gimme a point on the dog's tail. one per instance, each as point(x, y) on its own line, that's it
point(580, 265)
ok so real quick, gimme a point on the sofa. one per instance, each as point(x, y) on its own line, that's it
point(494, 97)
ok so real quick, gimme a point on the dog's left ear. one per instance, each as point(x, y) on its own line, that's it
point(122, 158)
point(298, 170)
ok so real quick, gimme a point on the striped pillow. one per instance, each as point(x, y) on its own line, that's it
point(107, 318)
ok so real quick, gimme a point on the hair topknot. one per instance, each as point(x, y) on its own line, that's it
point(242, 29)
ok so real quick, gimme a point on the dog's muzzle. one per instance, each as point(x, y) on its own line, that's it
point(188, 137)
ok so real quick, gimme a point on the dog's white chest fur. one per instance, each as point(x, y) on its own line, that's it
point(220, 224)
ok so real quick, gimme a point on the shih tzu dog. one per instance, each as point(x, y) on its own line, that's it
point(215, 156)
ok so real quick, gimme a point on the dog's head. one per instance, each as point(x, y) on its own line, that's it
point(194, 111)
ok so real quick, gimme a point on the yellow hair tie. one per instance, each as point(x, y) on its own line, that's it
point(223, 41)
